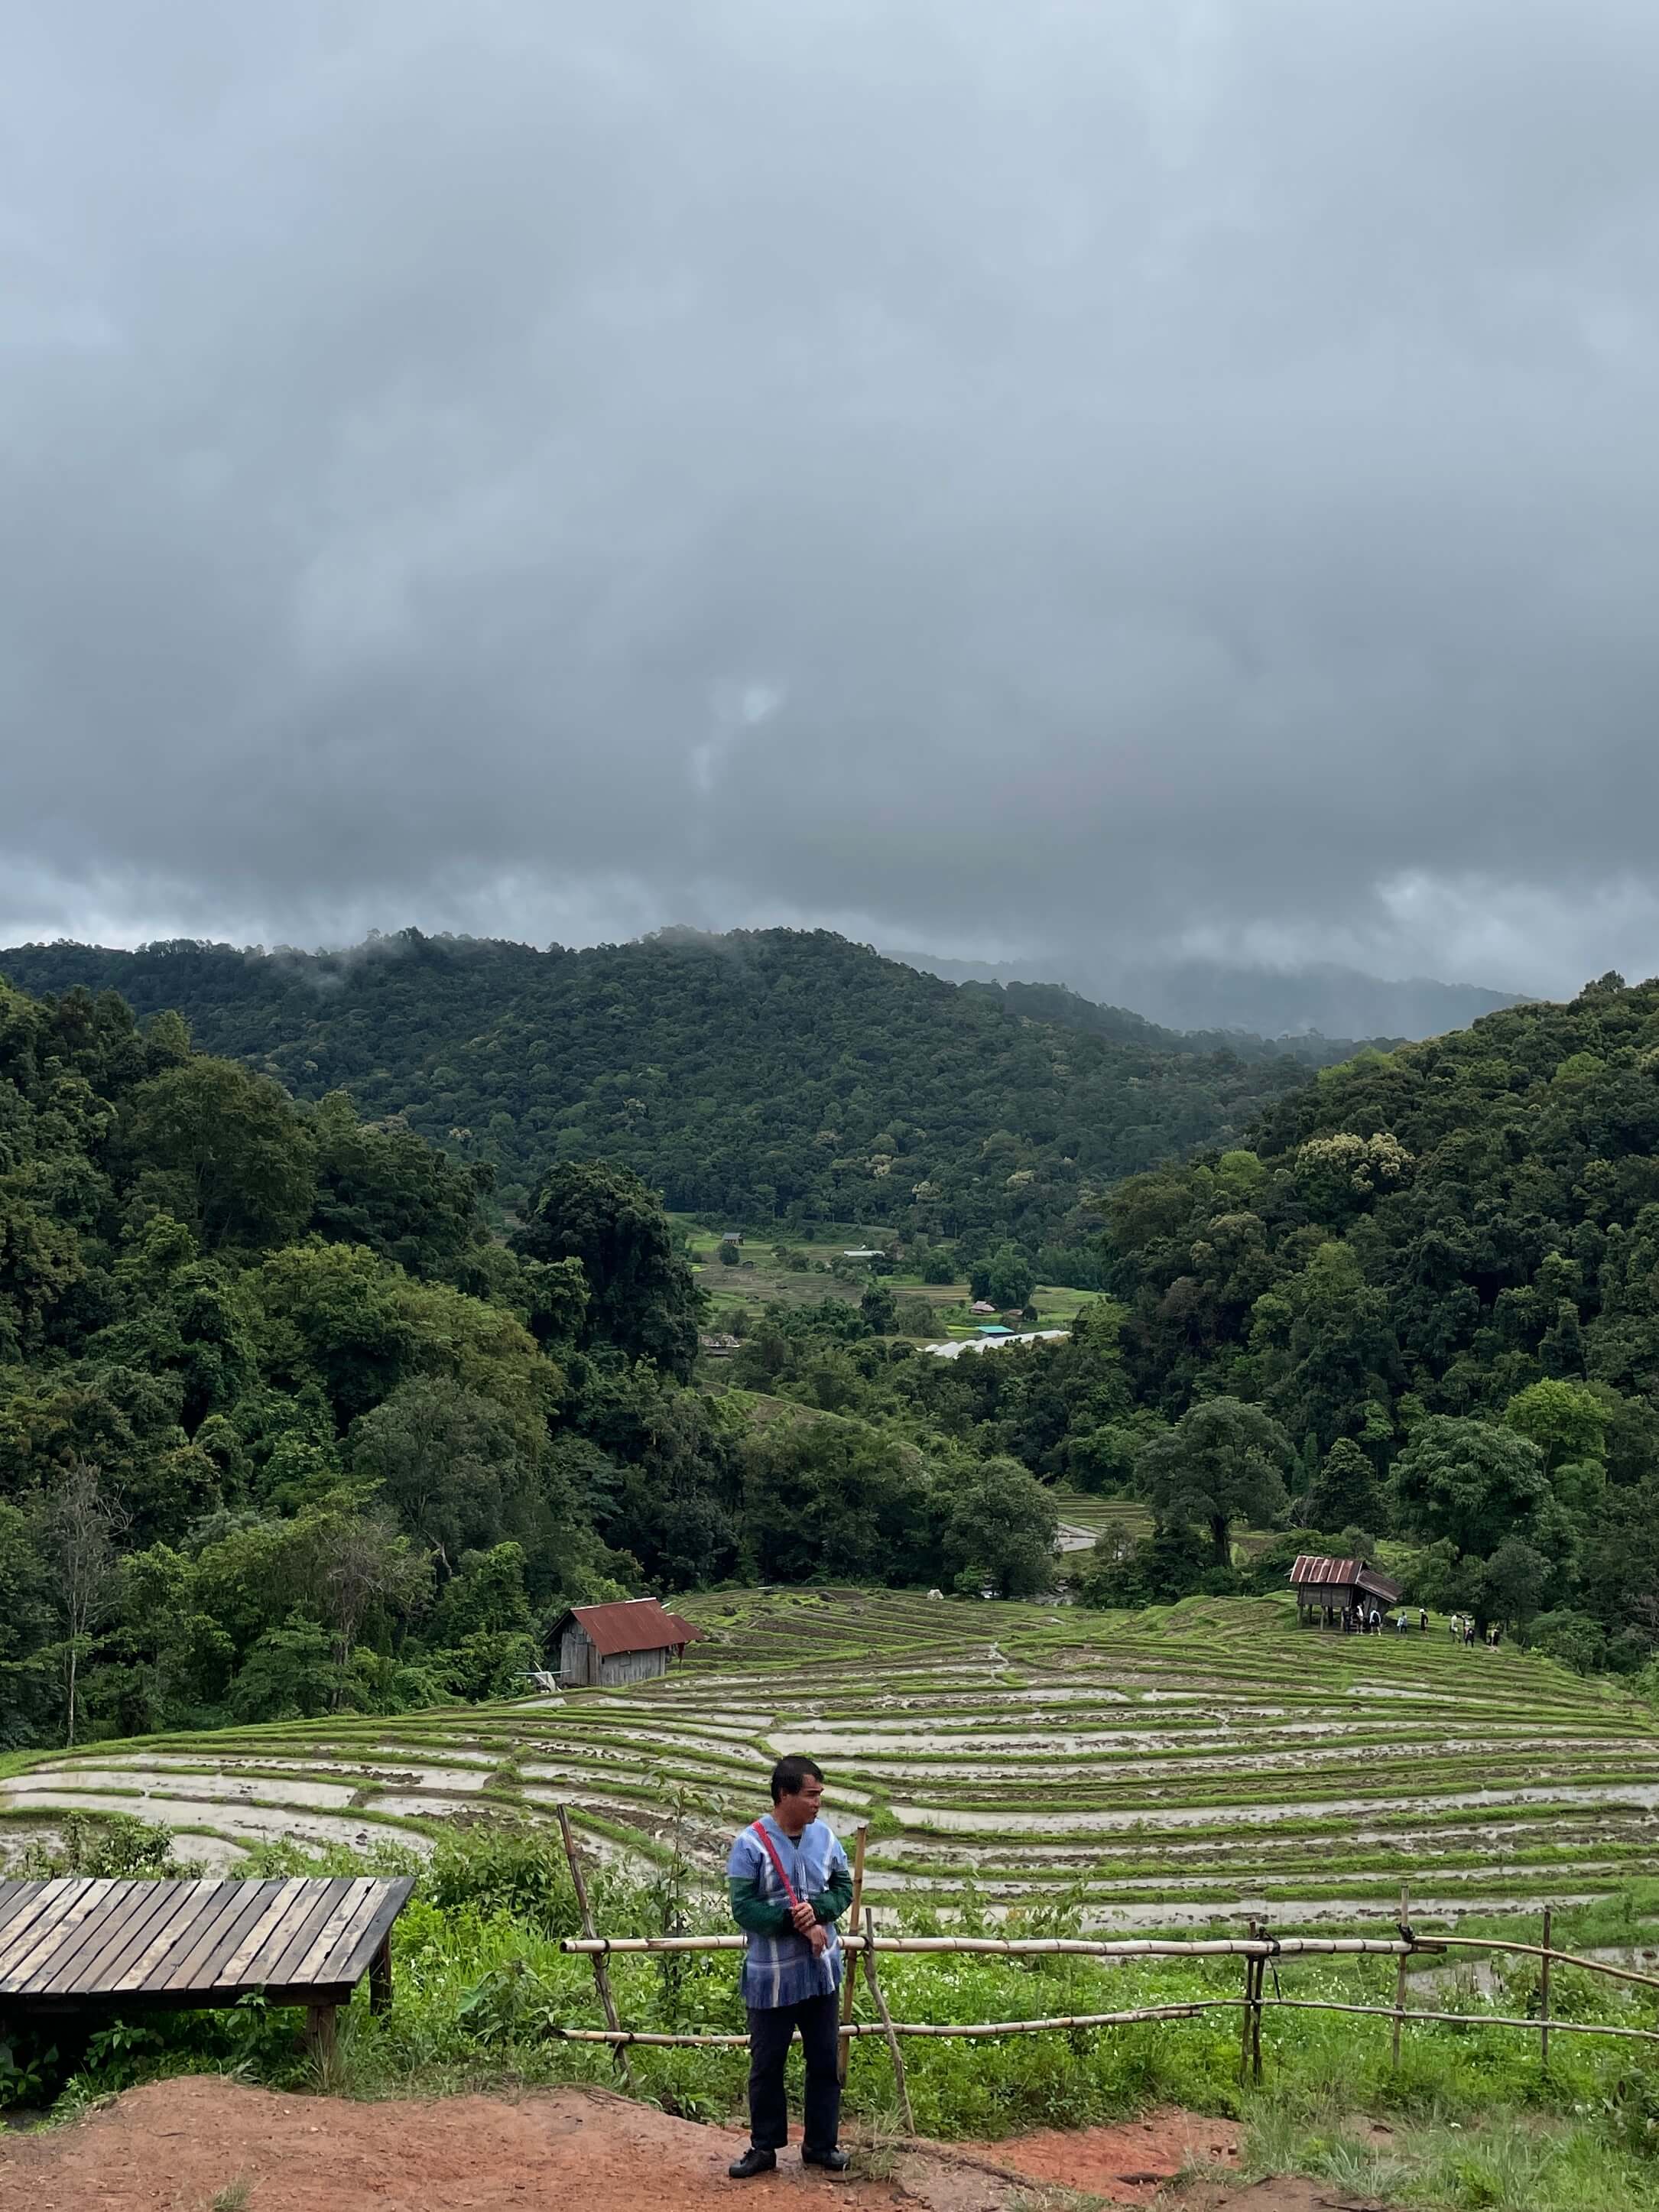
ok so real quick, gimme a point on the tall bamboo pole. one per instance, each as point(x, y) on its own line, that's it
point(601, 1972)
point(897, 2055)
point(1245, 2017)
point(850, 1978)
point(1399, 1976)
point(1544, 1996)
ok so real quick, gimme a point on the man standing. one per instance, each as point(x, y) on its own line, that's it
point(789, 1883)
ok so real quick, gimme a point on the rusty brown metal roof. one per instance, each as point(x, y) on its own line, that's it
point(631, 1624)
point(1313, 1567)
point(1312, 1570)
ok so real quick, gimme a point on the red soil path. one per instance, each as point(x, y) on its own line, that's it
point(173, 2146)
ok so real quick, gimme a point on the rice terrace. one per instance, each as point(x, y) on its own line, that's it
point(1172, 1768)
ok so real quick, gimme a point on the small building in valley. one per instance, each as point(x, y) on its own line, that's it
point(629, 1641)
point(1339, 1585)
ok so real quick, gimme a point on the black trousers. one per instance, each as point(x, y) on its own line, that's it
point(771, 2030)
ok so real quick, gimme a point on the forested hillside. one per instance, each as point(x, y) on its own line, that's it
point(1417, 1309)
point(1424, 1301)
point(773, 1075)
point(283, 1427)
point(284, 1430)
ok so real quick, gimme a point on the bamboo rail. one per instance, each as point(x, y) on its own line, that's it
point(1188, 2009)
point(1042, 1947)
point(1258, 1950)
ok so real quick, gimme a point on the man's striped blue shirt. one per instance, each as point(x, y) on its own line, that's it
point(780, 1967)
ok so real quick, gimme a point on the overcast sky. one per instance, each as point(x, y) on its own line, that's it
point(993, 474)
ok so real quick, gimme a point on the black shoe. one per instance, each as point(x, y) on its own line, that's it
point(753, 2161)
point(832, 2161)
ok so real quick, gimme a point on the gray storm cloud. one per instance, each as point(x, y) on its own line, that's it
point(995, 476)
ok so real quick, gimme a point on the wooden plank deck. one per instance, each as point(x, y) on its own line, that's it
point(72, 1947)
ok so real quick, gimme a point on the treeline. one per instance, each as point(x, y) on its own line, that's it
point(284, 1429)
point(1421, 1307)
point(767, 1077)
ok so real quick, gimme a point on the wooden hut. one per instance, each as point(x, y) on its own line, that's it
point(1325, 1586)
point(601, 1645)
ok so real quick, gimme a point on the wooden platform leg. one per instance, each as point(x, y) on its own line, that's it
point(380, 1978)
point(320, 2033)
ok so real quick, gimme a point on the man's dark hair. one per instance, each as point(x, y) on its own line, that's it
point(789, 1773)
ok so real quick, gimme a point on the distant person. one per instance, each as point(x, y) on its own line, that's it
point(1469, 1629)
point(1377, 1622)
point(1402, 1623)
point(789, 1883)
point(1454, 1627)
point(1423, 1619)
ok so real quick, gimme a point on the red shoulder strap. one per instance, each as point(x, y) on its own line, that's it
point(772, 1854)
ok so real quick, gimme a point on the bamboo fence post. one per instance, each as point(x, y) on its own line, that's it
point(601, 1972)
point(1399, 1976)
point(1256, 2017)
point(850, 1980)
point(897, 2056)
point(1249, 1992)
point(1544, 1997)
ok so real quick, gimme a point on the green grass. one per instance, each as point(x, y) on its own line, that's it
point(758, 1281)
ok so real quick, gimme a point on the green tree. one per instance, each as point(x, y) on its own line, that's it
point(290, 1674)
point(225, 1152)
point(446, 1460)
point(839, 1499)
point(1470, 1482)
point(1005, 1278)
point(1568, 1423)
point(1515, 1581)
point(1222, 1461)
point(1000, 1529)
point(1176, 1561)
point(25, 1630)
point(1573, 1637)
point(1345, 1492)
point(879, 1307)
point(642, 1296)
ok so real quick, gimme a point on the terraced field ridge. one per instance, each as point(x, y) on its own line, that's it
point(1165, 1769)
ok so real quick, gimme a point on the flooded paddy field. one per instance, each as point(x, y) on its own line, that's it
point(1168, 1768)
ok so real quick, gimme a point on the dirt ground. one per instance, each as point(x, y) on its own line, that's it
point(206, 2145)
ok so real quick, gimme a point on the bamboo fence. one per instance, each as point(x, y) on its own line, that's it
point(1260, 1951)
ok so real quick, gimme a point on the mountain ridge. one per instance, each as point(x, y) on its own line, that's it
point(769, 1075)
point(1215, 999)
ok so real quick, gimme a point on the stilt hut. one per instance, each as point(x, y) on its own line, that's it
point(1326, 1588)
point(602, 1645)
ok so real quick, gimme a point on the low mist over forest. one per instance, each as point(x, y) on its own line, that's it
point(772, 1074)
